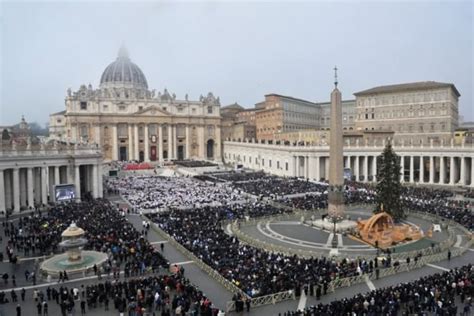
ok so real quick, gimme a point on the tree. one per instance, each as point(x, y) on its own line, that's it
point(388, 186)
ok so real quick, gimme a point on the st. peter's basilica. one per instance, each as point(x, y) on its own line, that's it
point(131, 122)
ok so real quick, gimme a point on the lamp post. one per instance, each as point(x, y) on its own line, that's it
point(334, 239)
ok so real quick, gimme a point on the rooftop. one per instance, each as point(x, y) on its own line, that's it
point(288, 97)
point(422, 85)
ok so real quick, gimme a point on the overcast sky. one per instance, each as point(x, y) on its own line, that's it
point(239, 51)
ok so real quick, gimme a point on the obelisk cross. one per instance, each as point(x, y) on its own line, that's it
point(335, 76)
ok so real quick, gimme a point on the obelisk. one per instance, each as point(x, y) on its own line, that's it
point(336, 165)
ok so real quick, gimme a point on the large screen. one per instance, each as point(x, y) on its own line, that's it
point(64, 192)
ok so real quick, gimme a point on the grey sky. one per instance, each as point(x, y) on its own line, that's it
point(240, 51)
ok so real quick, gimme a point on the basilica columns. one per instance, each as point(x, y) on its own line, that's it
point(100, 192)
point(202, 152)
point(218, 153)
point(95, 184)
point(160, 142)
point(135, 142)
point(188, 143)
point(2, 191)
point(170, 145)
point(174, 141)
point(114, 143)
point(130, 138)
point(412, 169)
point(147, 146)
point(77, 182)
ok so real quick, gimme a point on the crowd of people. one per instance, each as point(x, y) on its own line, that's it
point(192, 213)
point(167, 294)
point(424, 200)
point(354, 193)
point(155, 192)
point(444, 294)
point(233, 176)
point(194, 163)
point(255, 271)
point(107, 230)
point(273, 187)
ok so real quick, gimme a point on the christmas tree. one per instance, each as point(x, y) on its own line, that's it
point(388, 186)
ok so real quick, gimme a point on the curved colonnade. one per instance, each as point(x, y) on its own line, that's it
point(429, 165)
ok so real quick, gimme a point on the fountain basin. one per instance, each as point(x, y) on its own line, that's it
point(60, 263)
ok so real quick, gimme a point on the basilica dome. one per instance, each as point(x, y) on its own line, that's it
point(122, 73)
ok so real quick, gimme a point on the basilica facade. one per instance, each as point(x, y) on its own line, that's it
point(128, 121)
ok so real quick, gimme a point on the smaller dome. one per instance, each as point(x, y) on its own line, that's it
point(123, 73)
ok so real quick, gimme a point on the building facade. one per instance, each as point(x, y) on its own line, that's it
point(280, 114)
point(416, 112)
point(421, 111)
point(348, 115)
point(130, 122)
point(28, 173)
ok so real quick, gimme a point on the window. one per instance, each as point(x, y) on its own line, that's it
point(83, 105)
point(286, 166)
point(58, 121)
point(209, 110)
point(105, 107)
point(140, 108)
point(121, 107)
point(164, 108)
point(270, 163)
point(194, 110)
point(278, 165)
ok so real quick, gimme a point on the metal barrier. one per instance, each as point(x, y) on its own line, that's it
point(402, 267)
point(210, 271)
point(265, 300)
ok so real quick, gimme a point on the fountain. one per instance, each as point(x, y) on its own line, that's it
point(74, 260)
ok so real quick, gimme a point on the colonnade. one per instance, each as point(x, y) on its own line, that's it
point(447, 166)
point(28, 176)
point(25, 188)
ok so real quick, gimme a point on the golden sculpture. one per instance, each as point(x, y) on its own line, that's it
point(380, 230)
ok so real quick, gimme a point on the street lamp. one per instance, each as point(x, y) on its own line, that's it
point(334, 239)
